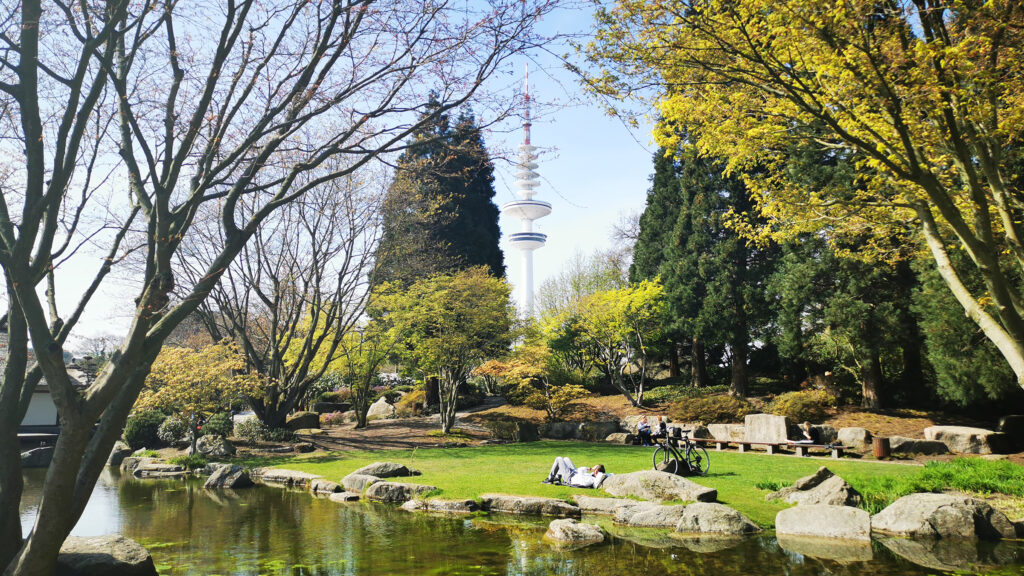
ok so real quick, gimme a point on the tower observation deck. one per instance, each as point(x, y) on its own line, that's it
point(526, 209)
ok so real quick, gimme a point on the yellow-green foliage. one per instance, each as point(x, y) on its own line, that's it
point(802, 406)
point(404, 407)
point(720, 408)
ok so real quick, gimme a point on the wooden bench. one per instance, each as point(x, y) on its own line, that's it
point(719, 444)
point(837, 450)
point(772, 447)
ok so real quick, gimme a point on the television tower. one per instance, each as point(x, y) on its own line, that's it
point(526, 209)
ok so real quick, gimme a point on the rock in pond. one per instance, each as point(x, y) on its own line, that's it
point(358, 482)
point(528, 505)
point(942, 516)
point(215, 446)
point(658, 486)
point(595, 505)
point(654, 516)
point(301, 420)
point(445, 506)
point(822, 487)
point(396, 491)
point(283, 477)
point(37, 457)
point(902, 445)
point(824, 521)
point(344, 497)
point(833, 549)
point(110, 555)
point(714, 518)
point(324, 486)
point(386, 470)
point(118, 453)
point(571, 532)
point(130, 463)
point(231, 476)
point(967, 440)
point(157, 469)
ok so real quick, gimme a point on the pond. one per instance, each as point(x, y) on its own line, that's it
point(263, 530)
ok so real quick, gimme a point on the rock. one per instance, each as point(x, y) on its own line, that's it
point(528, 505)
point(212, 467)
point(942, 516)
point(129, 464)
point(118, 453)
point(344, 497)
point(765, 428)
point(824, 521)
point(944, 555)
point(513, 430)
point(379, 410)
point(157, 469)
point(822, 487)
point(728, 432)
point(396, 492)
point(628, 423)
point(232, 476)
point(659, 486)
point(573, 532)
point(304, 447)
point(620, 438)
point(358, 482)
point(656, 516)
point(559, 430)
point(1018, 526)
point(824, 434)
point(812, 481)
point(1013, 427)
point(442, 506)
point(902, 445)
point(37, 457)
point(112, 554)
point(624, 512)
point(714, 518)
point(215, 446)
point(853, 437)
point(597, 431)
point(827, 548)
point(331, 407)
point(595, 505)
point(283, 477)
point(301, 420)
point(387, 470)
point(324, 486)
point(966, 440)
point(698, 431)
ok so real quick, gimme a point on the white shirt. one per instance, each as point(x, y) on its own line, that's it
point(583, 478)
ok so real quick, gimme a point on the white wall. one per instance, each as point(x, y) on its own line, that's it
point(41, 411)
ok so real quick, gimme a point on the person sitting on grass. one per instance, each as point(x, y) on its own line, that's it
point(564, 472)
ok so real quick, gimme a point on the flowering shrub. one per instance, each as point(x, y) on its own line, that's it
point(332, 419)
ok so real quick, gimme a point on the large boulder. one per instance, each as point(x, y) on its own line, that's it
point(387, 470)
point(358, 482)
point(714, 518)
point(396, 491)
point(822, 487)
point(943, 516)
point(442, 506)
point(324, 486)
point(301, 420)
point(596, 505)
point(854, 437)
point(728, 432)
point(834, 549)
point(824, 434)
point(513, 430)
point(556, 431)
point(571, 532)
point(624, 512)
point(528, 505)
point(283, 477)
point(659, 486)
point(130, 463)
point(331, 407)
point(621, 438)
point(37, 457)
point(110, 555)
point(902, 445)
point(380, 409)
point(765, 428)
point(118, 453)
point(655, 516)
point(215, 447)
point(967, 440)
point(824, 521)
point(157, 469)
point(232, 476)
point(597, 431)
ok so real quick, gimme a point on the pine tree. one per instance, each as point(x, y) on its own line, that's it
point(439, 215)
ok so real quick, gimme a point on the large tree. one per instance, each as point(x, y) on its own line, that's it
point(123, 121)
point(924, 96)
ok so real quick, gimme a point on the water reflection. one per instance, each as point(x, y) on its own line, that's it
point(192, 531)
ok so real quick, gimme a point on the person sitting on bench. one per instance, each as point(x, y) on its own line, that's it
point(643, 431)
point(805, 434)
point(563, 472)
point(661, 428)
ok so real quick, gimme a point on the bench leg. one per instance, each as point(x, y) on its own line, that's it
point(721, 446)
point(742, 447)
point(837, 453)
point(801, 451)
point(772, 449)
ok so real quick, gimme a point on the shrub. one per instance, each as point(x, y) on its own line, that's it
point(219, 424)
point(802, 406)
point(140, 431)
point(334, 396)
point(332, 419)
point(405, 407)
point(172, 430)
point(279, 435)
point(146, 454)
point(676, 393)
point(189, 462)
point(711, 409)
point(251, 430)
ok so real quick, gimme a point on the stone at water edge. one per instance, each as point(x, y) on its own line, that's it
point(942, 516)
point(344, 497)
point(659, 486)
point(596, 505)
point(284, 477)
point(443, 506)
point(396, 492)
point(386, 470)
point(714, 518)
point(232, 476)
point(110, 555)
point(573, 532)
point(324, 486)
point(37, 457)
point(656, 516)
point(528, 505)
point(118, 453)
point(824, 521)
point(358, 482)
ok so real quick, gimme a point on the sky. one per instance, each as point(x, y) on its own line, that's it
point(593, 170)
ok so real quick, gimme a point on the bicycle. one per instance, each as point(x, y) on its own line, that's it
point(668, 455)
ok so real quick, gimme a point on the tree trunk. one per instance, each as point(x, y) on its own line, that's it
point(432, 392)
point(11, 484)
point(673, 360)
point(738, 382)
point(871, 381)
point(698, 365)
point(911, 341)
point(448, 389)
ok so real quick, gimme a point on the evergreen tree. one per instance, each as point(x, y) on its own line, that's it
point(439, 215)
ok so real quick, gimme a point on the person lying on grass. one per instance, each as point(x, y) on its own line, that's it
point(563, 472)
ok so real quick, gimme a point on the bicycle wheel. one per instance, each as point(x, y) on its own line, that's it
point(664, 461)
point(698, 459)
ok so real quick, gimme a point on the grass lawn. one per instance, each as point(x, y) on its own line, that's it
point(519, 469)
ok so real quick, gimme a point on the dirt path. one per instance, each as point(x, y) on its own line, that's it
point(401, 434)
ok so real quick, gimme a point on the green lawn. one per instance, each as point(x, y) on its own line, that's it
point(519, 469)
